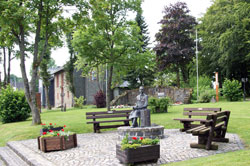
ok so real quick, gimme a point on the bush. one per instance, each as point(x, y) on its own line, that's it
point(158, 105)
point(79, 102)
point(231, 90)
point(13, 106)
point(100, 99)
point(206, 96)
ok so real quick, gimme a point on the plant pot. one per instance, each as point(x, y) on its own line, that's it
point(47, 130)
point(48, 144)
point(140, 154)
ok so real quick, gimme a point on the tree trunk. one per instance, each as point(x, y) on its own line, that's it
point(8, 74)
point(98, 79)
point(30, 89)
point(178, 77)
point(47, 98)
point(4, 67)
point(184, 73)
point(30, 94)
point(110, 73)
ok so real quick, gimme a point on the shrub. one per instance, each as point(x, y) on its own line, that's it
point(13, 106)
point(204, 84)
point(231, 90)
point(158, 105)
point(206, 96)
point(100, 99)
point(79, 102)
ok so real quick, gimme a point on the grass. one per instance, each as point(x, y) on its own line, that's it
point(75, 121)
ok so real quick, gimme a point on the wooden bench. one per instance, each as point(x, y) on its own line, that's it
point(121, 116)
point(202, 112)
point(214, 129)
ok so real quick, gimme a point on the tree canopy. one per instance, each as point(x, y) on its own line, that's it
point(175, 46)
point(108, 37)
point(225, 32)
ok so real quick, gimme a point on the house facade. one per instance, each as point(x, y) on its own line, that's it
point(62, 94)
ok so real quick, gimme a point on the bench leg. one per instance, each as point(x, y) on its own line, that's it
point(96, 128)
point(203, 143)
point(186, 125)
point(220, 136)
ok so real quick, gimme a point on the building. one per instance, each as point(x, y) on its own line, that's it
point(60, 94)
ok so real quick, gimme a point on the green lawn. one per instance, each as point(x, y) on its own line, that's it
point(75, 121)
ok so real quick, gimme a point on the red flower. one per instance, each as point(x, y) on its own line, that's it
point(64, 126)
point(51, 131)
point(134, 138)
point(44, 124)
point(44, 133)
point(62, 129)
point(55, 123)
point(58, 134)
point(141, 138)
point(50, 124)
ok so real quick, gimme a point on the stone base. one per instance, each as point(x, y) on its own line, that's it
point(145, 132)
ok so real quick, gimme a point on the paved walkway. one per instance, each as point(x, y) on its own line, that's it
point(99, 150)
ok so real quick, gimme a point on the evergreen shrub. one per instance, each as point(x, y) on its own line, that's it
point(158, 105)
point(231, 90)
point(13, 105)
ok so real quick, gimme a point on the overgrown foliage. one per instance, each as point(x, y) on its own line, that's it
point(159, 105)
point(79, 101)
point(206, 95)
point(13, 106)
point(231, 90)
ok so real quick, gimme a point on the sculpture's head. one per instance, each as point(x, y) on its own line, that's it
point(141, 89)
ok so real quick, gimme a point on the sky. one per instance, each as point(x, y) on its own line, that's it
point(152, 12)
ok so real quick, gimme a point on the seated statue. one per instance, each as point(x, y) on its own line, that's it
point(141, 105)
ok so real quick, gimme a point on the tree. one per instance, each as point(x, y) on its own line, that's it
point(107, 37)
point(175, 47)
point(225, 32)
point(23, 18)
point(142, 74)
point(69, 66)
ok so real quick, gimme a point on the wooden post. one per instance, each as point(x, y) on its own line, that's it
point(217, 86)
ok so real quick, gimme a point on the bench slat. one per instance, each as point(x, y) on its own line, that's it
point(197, 113)
point(190, 119)
point(107, 116)
point(203, 109)
point(105, 112)
point(126, 120)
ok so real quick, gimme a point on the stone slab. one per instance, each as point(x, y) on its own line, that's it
point(10, 158)
point(98, 149)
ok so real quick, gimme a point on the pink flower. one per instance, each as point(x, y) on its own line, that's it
point(134, 138)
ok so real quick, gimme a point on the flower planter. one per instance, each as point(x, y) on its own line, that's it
point(47, 130)
point(143, 153)
point(48, 144)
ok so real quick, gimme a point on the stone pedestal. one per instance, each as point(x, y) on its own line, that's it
point(145, 118)
point(145, 132)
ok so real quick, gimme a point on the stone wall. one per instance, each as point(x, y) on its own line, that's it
point(177, 95)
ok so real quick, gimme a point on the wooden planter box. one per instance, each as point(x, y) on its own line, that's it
point(143, 153)
point(47, 130)
point(48, 144)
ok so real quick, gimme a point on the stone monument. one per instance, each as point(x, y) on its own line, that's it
point(144, 129)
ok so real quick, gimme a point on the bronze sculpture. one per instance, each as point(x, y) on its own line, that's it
point(141, 105)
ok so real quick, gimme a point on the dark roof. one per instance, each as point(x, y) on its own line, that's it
point(57, 69)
